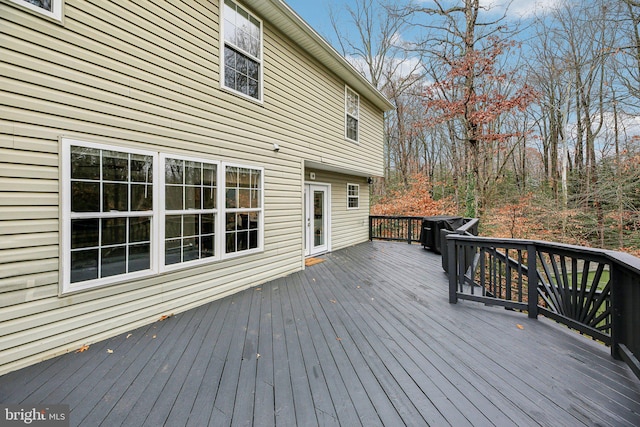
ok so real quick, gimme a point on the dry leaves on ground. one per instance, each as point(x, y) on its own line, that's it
point(82, 349)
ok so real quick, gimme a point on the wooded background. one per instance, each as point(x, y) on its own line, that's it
point(530, 123)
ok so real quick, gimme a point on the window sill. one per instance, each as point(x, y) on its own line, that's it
point(259, 102)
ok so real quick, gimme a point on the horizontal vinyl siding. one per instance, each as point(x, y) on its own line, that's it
point(145, 75)
point(294, 77)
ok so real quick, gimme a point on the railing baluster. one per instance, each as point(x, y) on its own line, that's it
point(601, 305)
point(532, 282)
point(452, 267)
point(520, 260)
point(483, 270)
point(574, 287)
point(507, 267)
point(583, 290)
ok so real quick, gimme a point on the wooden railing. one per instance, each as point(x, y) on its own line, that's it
point(410, 228)
point(397, 228)
point(596, 292)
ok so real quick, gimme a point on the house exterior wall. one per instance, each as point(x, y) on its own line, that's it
point(348, 226)
point(147, 78)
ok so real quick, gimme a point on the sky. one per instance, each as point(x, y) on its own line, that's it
point(317, 12)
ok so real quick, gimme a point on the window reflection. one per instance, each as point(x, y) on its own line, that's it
point(105, 183)
point(190, 186)
point(242, 50)
point(243, 189)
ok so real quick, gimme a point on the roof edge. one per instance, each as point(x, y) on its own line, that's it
point(308, 39)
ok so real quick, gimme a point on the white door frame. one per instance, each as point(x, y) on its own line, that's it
point(309, 188)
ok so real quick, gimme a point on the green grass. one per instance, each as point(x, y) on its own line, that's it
point(604, 278)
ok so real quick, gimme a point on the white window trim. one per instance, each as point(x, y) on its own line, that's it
point(224, 211)
point(259, 100)
point(163, 210)
point(346, 114)
point(353, 197)
point(65, 246)
point(157, 217)
point(56, 9)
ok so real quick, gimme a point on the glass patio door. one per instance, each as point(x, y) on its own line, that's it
point(316, 219)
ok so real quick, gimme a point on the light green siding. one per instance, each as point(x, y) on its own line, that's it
point(147, 77)
point(348, 226)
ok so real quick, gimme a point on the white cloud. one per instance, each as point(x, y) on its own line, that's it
point(521, 8)
point(516, 8)
point(403, 67)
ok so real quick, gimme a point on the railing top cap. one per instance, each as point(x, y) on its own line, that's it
point(621, 258)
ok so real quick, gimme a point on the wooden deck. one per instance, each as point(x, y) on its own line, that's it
point(365, 338)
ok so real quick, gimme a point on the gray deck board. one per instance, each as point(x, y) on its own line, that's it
point(365, 338)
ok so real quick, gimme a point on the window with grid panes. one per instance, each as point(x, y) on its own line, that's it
point(243, 206)
point(110, 202)
point(352, 114)
point(242, 51)
point(353, 196)
point(190, 192)
point(131, 213)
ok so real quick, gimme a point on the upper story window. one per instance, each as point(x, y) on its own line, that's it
point(242, 51)
point(50, 8)
point(352, 114)
point(353, 196)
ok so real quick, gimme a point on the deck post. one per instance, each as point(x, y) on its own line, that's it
point(532, 282)
point(453, 270)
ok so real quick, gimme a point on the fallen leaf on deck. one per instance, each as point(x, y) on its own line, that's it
point(332, 301)
point(154, 337)
point(165, 317)
point(82, 349)
point(109, 351)
point(520, 326)
point(128, 335)
point(339, 339)
point(258, 289)
point(258, 356)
